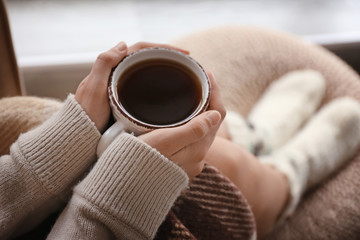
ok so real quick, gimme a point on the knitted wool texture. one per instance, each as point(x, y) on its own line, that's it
point(211, 208)
point(35, 171)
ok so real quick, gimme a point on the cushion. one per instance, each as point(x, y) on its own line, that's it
point(245, 60)
point(20, 114)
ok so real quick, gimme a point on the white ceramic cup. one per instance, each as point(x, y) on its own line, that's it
point(124, 121)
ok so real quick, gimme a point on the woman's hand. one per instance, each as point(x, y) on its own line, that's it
point(185, 145)
point(188, 144)
point(92, 92)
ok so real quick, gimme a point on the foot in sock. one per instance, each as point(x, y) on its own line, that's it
point(329, 139)
point(241, 132)
point(285, 106)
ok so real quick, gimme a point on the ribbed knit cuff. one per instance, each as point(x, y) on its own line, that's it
point(135, 184)
point(60, 150)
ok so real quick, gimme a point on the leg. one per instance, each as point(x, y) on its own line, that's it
point(265, 188)
point(329, 139)
point(326, 142)
point(237, 129)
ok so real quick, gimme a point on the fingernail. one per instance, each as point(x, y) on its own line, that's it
point(121, 46)
point(186, 51)
point(214, 117)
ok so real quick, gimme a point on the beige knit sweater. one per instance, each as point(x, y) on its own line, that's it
point(126, 195)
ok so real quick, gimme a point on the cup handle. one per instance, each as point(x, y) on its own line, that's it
point(109, 135)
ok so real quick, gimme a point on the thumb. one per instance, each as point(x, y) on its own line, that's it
point(106, 61)
point(171, 140)
point(196, 129)
point(200, 126)
point(198, 137)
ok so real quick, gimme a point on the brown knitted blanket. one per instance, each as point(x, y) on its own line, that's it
point(211, 208)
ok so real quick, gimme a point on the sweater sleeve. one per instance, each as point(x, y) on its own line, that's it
point(127, 194)
point(42, 165)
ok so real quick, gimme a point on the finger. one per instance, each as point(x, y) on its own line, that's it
point(106, 61)
point(194, 153)
point(171, 140)
point(142, 45)
point(216, 100)
point(192, 157)
point(195, 169)
point(198, 128)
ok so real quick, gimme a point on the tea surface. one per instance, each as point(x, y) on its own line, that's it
point(159, 92)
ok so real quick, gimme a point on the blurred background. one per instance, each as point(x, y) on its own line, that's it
point(57, 40)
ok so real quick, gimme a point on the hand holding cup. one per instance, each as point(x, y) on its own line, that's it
point(193, 135)
point(155, 88)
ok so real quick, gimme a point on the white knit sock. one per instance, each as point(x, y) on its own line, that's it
point(329, 139)
point(285, 106)
point(242, 133)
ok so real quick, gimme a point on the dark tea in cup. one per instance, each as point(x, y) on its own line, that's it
point(159, 91)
